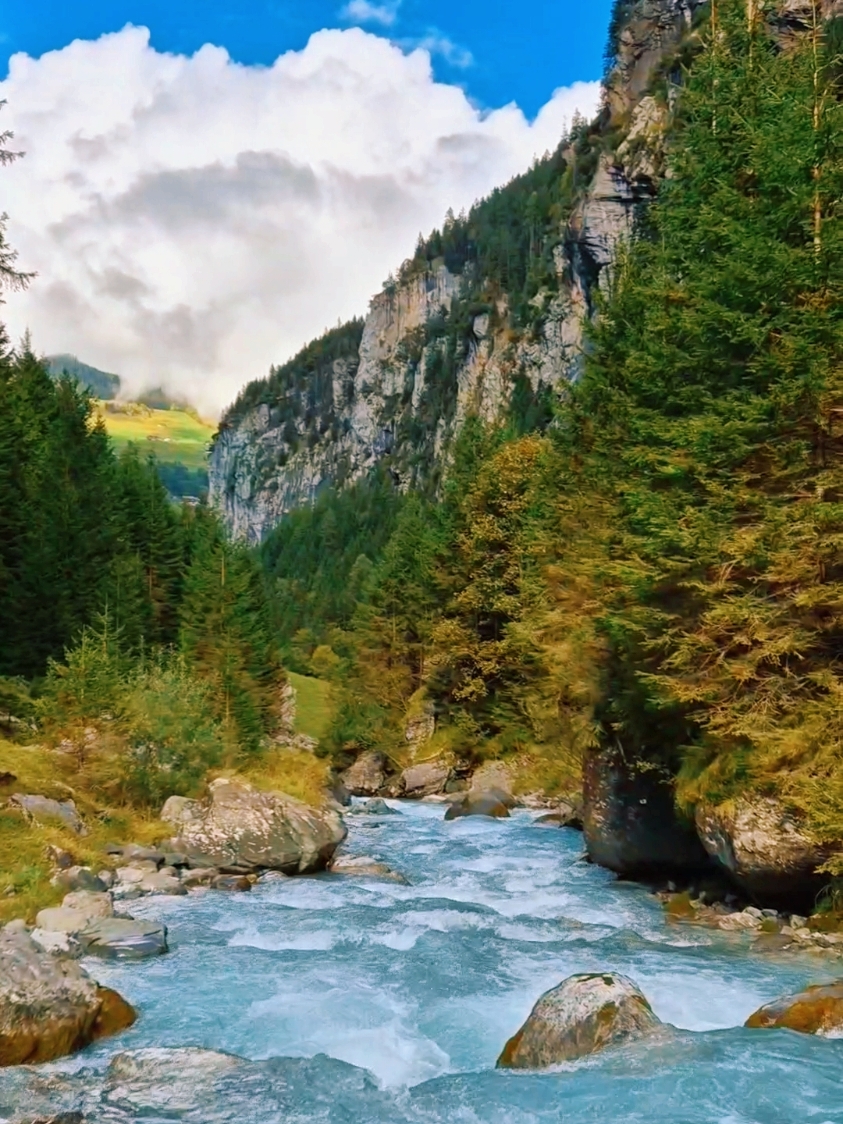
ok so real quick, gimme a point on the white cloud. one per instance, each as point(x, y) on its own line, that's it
point(451, 52)
point(193, 220)
point(363, 11)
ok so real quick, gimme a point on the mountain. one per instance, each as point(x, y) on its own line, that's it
point(486, 319)
point(101, 384)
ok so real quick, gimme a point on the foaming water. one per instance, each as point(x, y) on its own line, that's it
point(422, 984)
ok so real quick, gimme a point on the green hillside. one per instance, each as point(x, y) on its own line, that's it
point(177, 438)
point(101, 384)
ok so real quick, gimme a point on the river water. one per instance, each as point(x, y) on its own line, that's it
point(419, 986)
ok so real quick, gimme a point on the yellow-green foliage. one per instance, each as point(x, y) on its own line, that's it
point(313, 704)
point(297, 774)
point(174, 436)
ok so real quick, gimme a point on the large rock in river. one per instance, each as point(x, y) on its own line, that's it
point(584, 1014)
point(816, 1010)
point(491, 804)
point(367, 775)
point(242, 830)
point(630, 821)
point(427, 779)
point(766, 850)
point(50, 1007)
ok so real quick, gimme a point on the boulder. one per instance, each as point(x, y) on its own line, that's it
point(424, 780)
point(135, 874)
point(79, 878)
point(45, 812)
point(376, 807)
point(366, 776)
point(179, 810)
point(630, 821)
point(232, 883)
point(58, 944)
point(816, 1010)
point(199, 877)
point(50, 1007)
point(364, 867)
point(76, 912)
point(765, 850)
point(125, 939)
point(161, 883)
point(243, 830)
point(490, 804)
point(565, 816)
point(134, 853)
point(583, 1015)
point(492, 776)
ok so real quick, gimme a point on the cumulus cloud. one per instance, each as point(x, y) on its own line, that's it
point(438, 44)
point(193, 220)
point(362, 11)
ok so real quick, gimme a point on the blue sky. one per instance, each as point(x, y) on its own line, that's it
point(500, 52)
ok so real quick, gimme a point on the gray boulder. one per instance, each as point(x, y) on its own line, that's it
point(161, 883)
point(366, 776)
point(76, 912)
point(766, 850)
point(361, 866)
point(124, 939)
point(428, 779)
point(179, 810)
point(79, 878)
point(491, 804)
point(243, 830)
point(376, 807)
point(583, 1015)
point(50, 1007)
point(45, 812)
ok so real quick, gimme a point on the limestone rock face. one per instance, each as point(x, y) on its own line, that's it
point(765, 850)
point(50, 1007)
point(366, 776)
point(243, 830)
point(816, 1010)
point(583, 1015)
point(630, 821)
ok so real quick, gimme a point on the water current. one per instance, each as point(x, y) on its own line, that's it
point(417, 987)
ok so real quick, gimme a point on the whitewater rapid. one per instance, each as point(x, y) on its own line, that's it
point(421, 985)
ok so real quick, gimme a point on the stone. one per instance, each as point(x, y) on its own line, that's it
point(161, 883)
point(77, 911)
point(176, 859)
point(583, 1015)
point(45, 812)
point(61, 859)
point(363, 867)
point(135, 854)
point(106, 877)
point(376, 807)
point(56, 943)
point(136, 873)
point(489, 804)
point(243, 830)
point(79, 878)
point(366, 776)
point(565, 817)
point(199, 877)
point(424, 780)
point(233, 883)
point(630, 821)
point(738, 922)
point(179, 810)
point(124, 938)
point(493, 776)
point(816, 1010)
point(766, 851)
point(50, 1007)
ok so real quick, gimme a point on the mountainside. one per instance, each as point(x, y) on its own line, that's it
point(101, 384)
point(485, 320)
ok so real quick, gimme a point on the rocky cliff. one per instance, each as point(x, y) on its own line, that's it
point(440, 344)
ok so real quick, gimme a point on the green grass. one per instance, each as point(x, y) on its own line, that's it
point(174, 436)
point(313, 704)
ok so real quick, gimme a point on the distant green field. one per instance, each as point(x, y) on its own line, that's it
point(313, 704)
point(173, 436)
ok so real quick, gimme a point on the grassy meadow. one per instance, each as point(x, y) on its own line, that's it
point(174, 436)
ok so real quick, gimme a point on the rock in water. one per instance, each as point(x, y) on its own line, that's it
point(766, 851)
point(424, 780)
point(122, 938)
point(242, 830)
point(816, 1010)
point(50, 1007)
point(490, 804)
point(367, 775)
point(583, 1015)
point(377, 807)
point(630, 822)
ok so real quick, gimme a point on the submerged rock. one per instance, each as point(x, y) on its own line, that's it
point(765, 849)
point(630, 821)
point(364, 867)
point(816, 1010)
point(242, 830)
point(122, 938)
point(583, 1015)
point(50, 1007)
point(490, 804)
point(367, 775)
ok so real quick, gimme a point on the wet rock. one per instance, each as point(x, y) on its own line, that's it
point(125, 939)
point(179, 810)
point(364, 867)
point(367, 775)
point(424, 780)
point(233, 883)
point(583, 1015)
point(79, 878)
point(243, 830)
point(49, 1007)
point(565, 816)
point(376, 807)
point(45, 812)
point(765, 849)
point(490, 804)
point(630, 821)
point(816, 1010)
